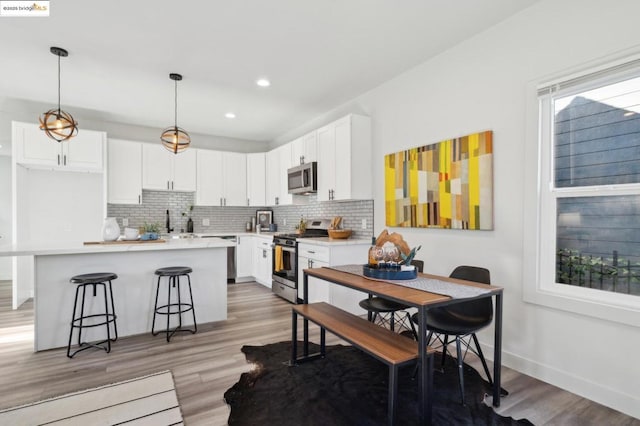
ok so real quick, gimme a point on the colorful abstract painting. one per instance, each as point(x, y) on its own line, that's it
point(448, 184)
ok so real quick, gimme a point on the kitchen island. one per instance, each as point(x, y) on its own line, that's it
point(134, 290)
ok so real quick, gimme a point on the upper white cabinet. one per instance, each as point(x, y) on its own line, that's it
point(222, 178)
point(344, 159)
point(124, 172)
point(272, 167)
point(278, 161)
point(285, 163)
point(32, 147)
point(165, 171)
point(256, 182)
point(304, 149)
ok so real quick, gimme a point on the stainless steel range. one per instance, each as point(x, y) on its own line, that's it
point(285, 258)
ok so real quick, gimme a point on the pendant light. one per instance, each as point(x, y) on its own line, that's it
point(174, 138)
point(56, 123)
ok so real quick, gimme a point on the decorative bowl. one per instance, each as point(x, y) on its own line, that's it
point(385, 274)
point(339, 234)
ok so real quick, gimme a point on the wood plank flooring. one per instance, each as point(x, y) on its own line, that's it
point(204, 365)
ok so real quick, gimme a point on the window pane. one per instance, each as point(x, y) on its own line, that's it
point(598, 243)
point(597, 136)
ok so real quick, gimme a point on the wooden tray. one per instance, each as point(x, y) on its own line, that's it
point(89, 243)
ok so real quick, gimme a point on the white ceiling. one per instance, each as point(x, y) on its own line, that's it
point(318, 54)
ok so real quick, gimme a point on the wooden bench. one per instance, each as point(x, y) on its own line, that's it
point(384, 345)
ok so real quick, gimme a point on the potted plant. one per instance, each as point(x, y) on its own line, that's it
point(150, 231)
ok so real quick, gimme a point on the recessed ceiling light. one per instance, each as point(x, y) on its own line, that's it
point(628, 113)
point(263, 82)
point(230, 115)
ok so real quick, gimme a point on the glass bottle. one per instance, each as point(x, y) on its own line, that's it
point(374, 253)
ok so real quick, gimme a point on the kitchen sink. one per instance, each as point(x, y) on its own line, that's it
point(178, 236)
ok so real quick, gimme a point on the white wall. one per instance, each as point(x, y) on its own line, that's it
point(5, 214)
point(482, 84)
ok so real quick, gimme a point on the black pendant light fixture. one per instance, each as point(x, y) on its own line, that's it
point(56, 123)
point(174, 138)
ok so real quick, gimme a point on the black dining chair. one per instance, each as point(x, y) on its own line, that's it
point(461, 320)
point(377, 307)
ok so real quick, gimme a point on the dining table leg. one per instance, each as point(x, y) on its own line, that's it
point(305, 286)
point(425, 365)
point(497, 351)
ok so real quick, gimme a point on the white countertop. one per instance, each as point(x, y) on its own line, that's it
point(326, 241)
point(40, 249)
point(50, 248)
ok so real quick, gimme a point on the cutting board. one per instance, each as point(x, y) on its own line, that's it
point(89, 243)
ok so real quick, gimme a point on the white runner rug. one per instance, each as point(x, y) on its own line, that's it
point(148, 400)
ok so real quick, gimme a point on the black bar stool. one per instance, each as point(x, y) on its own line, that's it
point(174, 273)
point(96, 319)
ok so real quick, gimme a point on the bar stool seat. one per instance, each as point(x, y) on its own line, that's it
point(82, 320)
point(174, 308)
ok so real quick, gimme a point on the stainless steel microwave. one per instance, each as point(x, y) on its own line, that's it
point(302, 179)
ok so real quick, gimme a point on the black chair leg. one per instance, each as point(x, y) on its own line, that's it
point(193, 307)
point(155, 309)
point(445, 341)
point(460, 368)
point(113, 311)
point(106, 317)
point(481, 355)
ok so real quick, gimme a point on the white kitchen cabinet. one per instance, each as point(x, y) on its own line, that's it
point(256, 179)
point(221, 178)
point(313, 255)
point(278, 161)
point(303, 149)
point(124, 172)
point(244, 257)
point(165, 171)
point(344, 159)
point(272, 166)
point(33, 148)
point(263, 260)
point(234, 166)
point(284, 199)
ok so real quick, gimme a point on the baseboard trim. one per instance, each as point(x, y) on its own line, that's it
point(612, 398)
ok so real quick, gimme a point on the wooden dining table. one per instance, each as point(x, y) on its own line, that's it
point(423, 301)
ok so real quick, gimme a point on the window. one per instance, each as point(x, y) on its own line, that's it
point(588, 201)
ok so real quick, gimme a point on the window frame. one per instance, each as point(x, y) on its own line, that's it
point(539, 250)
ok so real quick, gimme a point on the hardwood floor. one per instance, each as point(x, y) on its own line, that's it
point(206, 364)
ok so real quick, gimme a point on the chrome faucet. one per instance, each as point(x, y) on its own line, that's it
point(169, 228)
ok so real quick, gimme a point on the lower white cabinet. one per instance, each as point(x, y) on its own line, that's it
point(244, 257)
point(262, 260)
point(312, 255)
point(318, 289)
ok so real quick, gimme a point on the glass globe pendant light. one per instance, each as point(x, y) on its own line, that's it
point(56, 123)
point(174, 138)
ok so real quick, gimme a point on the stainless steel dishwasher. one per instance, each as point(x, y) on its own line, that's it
point(231, 255)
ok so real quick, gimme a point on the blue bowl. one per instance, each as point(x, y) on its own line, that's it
point(149, 236)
